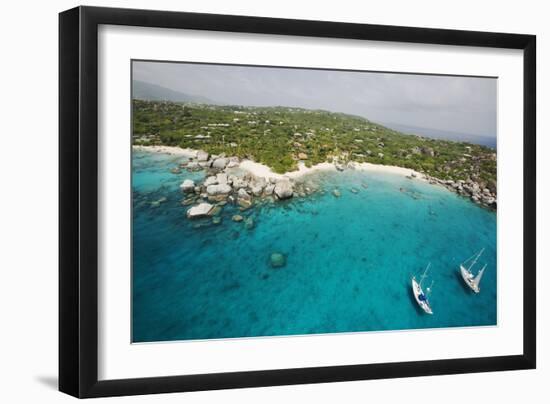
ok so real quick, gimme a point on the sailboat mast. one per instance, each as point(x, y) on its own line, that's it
point(424, 274)
point(475, 260)
point(479, 275)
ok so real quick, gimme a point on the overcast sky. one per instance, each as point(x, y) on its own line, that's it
point(458, 104)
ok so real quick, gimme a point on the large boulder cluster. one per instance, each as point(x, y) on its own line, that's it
point(225, 183)
point(480, 192)
point(202, 160)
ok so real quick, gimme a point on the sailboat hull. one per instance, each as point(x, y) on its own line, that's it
point(418, 293)
point(469, 279)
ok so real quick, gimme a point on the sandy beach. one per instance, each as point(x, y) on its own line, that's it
point(175, 150)
point(389, 169)
point(260, 170)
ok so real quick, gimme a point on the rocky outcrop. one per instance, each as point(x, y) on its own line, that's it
point(156, 204)
point(202, 156)
point(237, 182)
point(217, 198)
point(221, 178)
point(242, 194)
point(210, 181)
point(269, 188)
point(193, 166)
point(233, 162)
point(188, 201)
point(283, 189)
point(257, 186)
point(187, 186)
point(215, 211)
point(478, 192)
point(200, 210)
point(428, 151)
point(244, 204)
point(249, 223)
point(220, 163)
point(277, 260)
point(218, 189)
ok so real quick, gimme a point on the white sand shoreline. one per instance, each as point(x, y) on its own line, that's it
point(262, 171)
point(174, 150)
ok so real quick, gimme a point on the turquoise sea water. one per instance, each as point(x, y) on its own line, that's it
point(349, 259)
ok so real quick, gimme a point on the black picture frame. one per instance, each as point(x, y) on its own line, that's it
point(78, 201)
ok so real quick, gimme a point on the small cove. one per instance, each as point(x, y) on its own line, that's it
point(349, 259)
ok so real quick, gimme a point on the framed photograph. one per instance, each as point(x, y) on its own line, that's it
point(251, 201)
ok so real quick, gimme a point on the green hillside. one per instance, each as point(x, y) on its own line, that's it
point(280, 136)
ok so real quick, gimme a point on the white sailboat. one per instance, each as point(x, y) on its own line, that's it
point(419, 295)
point(467, 274)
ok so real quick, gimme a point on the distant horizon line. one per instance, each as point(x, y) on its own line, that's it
point(437, 129)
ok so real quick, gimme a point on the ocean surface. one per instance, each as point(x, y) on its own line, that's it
point(349, 260)
point(489, 141)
